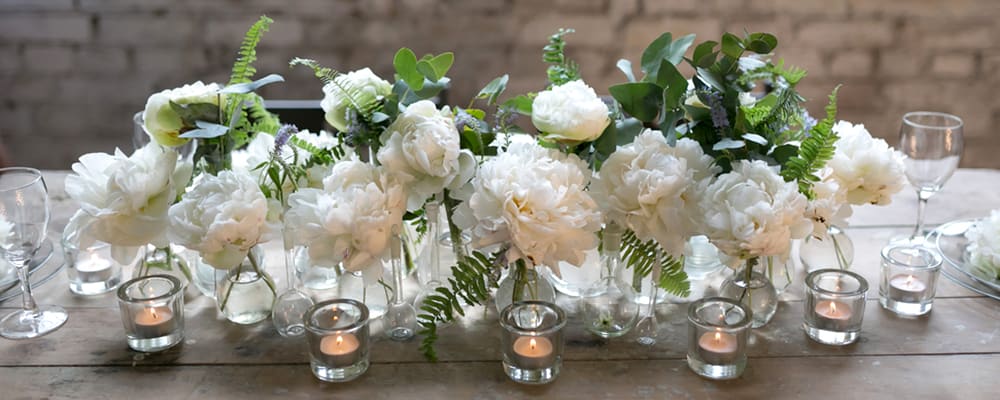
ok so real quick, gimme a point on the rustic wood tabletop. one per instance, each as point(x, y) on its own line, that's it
point(952, 353)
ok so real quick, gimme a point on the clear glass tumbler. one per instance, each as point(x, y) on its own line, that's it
point(532, 341)
point(717, 338)
point(909, 278)
point(152, 309)
point(835, 306)
point(338, 337)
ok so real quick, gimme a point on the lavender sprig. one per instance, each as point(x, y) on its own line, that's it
point(720, 119)
point(281, 138)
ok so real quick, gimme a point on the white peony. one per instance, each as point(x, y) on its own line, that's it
point(362, 86)
point(865, 167)
point(829, 206)
point(533, 200)
point(422, 150)
point(160, 120)
point(752, 212)
point(570, 112)
point(353, 224)
point(128, 196)
point(984, 245)
point(653, 188)
point(260, 148)
point(221, 217)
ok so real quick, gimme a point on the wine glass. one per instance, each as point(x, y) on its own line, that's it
point(24, 216)
point(932, 145)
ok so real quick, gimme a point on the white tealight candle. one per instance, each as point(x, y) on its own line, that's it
point(341, 350)
point(154, 322)
point(534, 352)
point(93, 269)
point(718, 348)
point(906, 289)
point(833, 315)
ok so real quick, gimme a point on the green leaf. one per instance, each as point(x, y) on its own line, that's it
point(606, 143)
point(673, 82)
point(728, 144)
point(379, 117)
point(704, 54)
point(626, 67)
point(762, 43)
point(732, 46)
point(783, 153)
point(193, 112)
point(520, 104)
point(753, 137)
point(405, 63)
point(641, 100)
point(663, 49)
point(243, 69)
point(436, 67)
point(708, 78)
point(493, 89)
point(206, 130)
point(627, 129)
point(248, 87)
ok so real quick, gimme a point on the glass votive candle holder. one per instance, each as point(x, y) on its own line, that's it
point(89, 266)
point(835, 306)
point(908, 279)
point(152, 309)
point(717, 342)
point(532, 341)
point(337, 333)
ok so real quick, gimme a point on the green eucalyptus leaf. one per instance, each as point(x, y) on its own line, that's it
point(379, 117)
point(704, 54)
point(475, 112)
point(626, 130)
point(663, 48)
point(520, 104)
point(193, 112)
point(753, 137)
point(493, 89)
point(785, 152)
point(405, 63)
point(626, 67)
point(762, 43)
point(732, 46)
point(641, 100)
point(708, 78)
point(674, 84)
point(252, 86)
point(206, 130)
point(728, 144)
point(441, 64)
point(432, 89)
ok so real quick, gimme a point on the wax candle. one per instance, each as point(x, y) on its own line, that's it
point(718, 348)
point(833, 315)
point(906, 289)
point(533, 352)
point(93, 269)
point(154, 322)
point(340, 350)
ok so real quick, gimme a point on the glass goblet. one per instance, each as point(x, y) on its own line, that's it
point(932, 145)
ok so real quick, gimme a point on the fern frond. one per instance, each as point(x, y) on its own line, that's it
point(326, 75)
point(319, 156)
point(243, 69)
point(814, 151)
point(643, 257)
point(329, 77)
point(562, 69)
point(470, 284)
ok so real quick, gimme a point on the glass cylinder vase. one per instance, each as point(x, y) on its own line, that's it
point(152, 310)
point(522, 283)
point(718, 329)
point(532, 341)
point(908, 278)
point(247, 294)
point(833, 249)
point(835, 306)
point(754, 291)
point(338, 337)
point(89, 265)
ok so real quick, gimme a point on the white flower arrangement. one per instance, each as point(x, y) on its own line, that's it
point(222, 217)
point(652, 188)
point(162, 122)
point(349, 91)
point(570, 112)
point(865, 167)
point(984, 245)
point(533, 201)
point(127, 197)
point(421, 149)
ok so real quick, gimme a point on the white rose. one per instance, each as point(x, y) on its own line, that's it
point(161, 121)
point(128, 196)
point(984, 245)
point(353, 225)
point(570, 112)
point(362, 86)
point(422, 150)
point(221, 217)
point(533, 200)
point(752, 212)
point(653, 188)
point(867, 168)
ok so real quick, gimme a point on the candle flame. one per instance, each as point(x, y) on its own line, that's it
point(909, 280)
point(833, 307)
point(532, 344)
point(340, 340)
point(93, 257)
point(152, 311)
point(718, 336)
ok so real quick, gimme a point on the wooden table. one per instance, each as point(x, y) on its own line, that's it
point(953, 353)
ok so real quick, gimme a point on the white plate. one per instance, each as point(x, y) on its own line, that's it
point(951, 242)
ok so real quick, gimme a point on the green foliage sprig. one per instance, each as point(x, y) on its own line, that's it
point(643, 257)
point(243, 69)
point(470, 284)
point(814, 152)
point(562, 69)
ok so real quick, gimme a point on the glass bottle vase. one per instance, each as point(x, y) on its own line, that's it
point(754, 291)
point(833, 249)
point(247, 294)
point(522, 283)
point(609, 310)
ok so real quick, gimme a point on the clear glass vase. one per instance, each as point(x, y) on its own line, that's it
point(754, 291)
point(609, 309)
point(247, 294)
point(522, 283)
point(833, 249)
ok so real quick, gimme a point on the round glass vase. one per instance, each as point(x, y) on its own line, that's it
point(532, 341)
point(338, 338)
point(247, 294)
point(90, 267)
point(718, 330)
point(832, 249)
point(609, 307)
point(754, 291)
point(522, 283)
point(152, 311)
point(834, 306)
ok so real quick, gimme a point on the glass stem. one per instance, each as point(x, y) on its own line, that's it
point(289, 261)
point(611, 244)
point(27, 300)
point(434, 233)
point(397, 271)
point(921, 205)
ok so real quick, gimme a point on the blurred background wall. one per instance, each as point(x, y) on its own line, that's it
point(73, 72)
